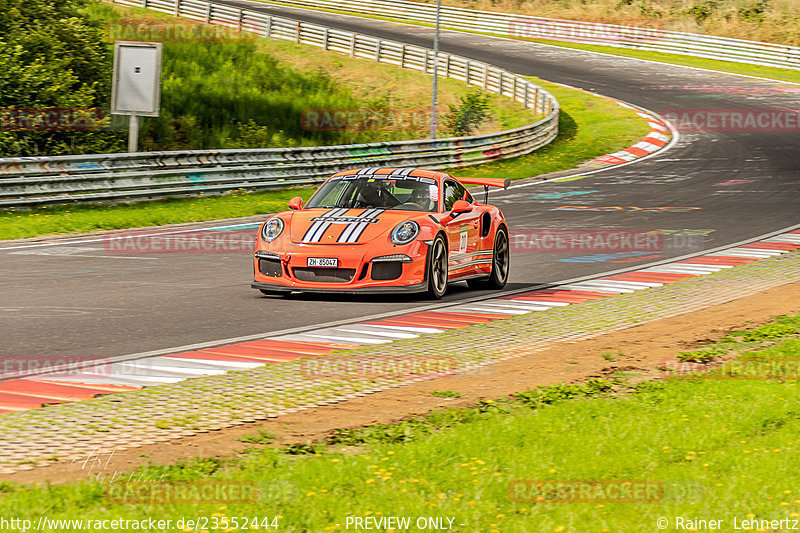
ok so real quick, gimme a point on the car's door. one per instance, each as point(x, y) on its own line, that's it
point(462, 231)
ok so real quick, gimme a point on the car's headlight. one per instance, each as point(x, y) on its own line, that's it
point(405, 233)
point(272, 229)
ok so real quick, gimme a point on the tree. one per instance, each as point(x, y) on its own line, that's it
point(51, 56)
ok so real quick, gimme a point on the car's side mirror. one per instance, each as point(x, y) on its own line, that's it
point(460, 206)
point(296, 203)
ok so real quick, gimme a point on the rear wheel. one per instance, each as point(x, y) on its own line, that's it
point(500, 263)
point(436, 269)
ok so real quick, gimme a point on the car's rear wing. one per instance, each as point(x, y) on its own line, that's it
point(486, 182)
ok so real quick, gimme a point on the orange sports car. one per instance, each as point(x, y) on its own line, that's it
point(384, 230)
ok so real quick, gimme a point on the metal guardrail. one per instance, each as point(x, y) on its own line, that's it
point(516, 25)
point(31, 181)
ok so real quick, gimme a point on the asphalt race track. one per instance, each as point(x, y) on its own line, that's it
point(709, 189)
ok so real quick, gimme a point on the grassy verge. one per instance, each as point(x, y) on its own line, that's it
point(589, 126)
point(707, 447)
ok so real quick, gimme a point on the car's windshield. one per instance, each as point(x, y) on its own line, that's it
point(410, 193)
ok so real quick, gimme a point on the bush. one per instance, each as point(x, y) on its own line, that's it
point(465, 118)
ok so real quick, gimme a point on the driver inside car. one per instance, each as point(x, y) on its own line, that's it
point(419, 199)
point(376, 194)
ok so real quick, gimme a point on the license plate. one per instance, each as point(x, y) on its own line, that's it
point(329, 262)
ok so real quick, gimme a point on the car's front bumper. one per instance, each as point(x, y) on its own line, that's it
point(358, 269)
point(278, 288)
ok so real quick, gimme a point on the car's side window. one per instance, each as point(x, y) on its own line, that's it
point(455, 191)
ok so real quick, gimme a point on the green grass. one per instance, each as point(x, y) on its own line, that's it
point(252, 92)
point(234, 94)
point(263, 437)
point(715, 448)
point(589, 126)
point(446, 394)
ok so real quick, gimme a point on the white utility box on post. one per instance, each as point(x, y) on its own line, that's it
point(136, 87)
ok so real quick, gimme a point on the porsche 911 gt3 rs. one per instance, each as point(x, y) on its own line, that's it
point(384, 230)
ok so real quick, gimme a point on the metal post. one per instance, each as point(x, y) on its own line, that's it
point(434, 94)
point(133, 133)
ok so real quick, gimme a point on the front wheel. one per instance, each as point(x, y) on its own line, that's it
point(500, 262)
point(436, 269)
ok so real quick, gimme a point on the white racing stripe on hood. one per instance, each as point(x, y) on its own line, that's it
point(354, 230)
point(317, 229)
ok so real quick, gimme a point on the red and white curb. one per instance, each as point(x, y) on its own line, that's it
point(33, 392)
point(658, 137)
